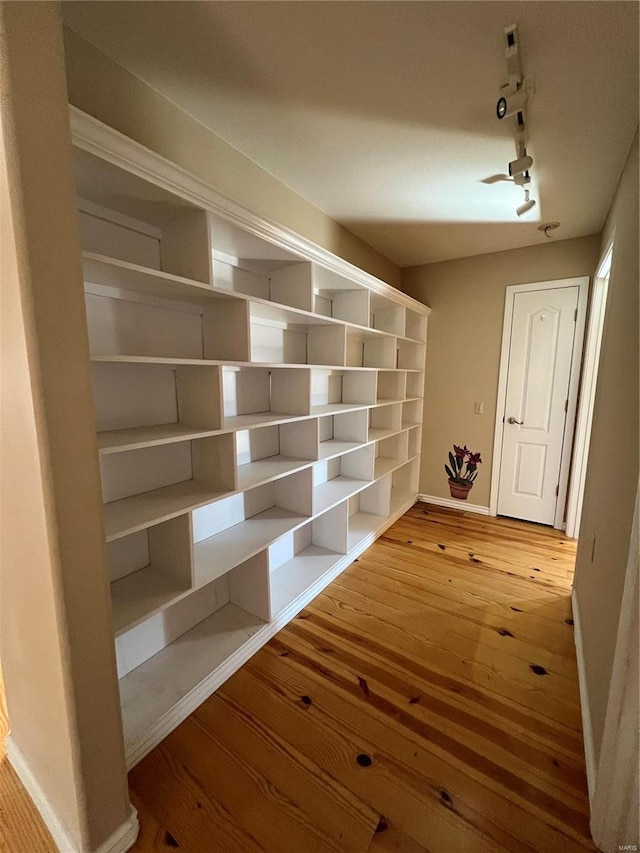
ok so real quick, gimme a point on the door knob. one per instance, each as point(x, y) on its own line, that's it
point(512, 420)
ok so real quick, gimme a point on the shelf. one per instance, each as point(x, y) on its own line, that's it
point(296, 576)
point(380, 434)
point(335, 491)
point(384, 465)
point(114, 441)
point(262, 470)
point(140, 511)
point(338, 408)
point(257, 419)
point(152, 690)
point(113, 272)
point(150, 359)
point(388, 401)
point(401, 498)
point(141, 594)
point(329, 449)
point(362, 525)
point(219, 554)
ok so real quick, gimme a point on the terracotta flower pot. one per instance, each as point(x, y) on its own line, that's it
point(458, 491)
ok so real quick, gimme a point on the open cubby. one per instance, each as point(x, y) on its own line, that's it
point(299, 560)
point(292, 286)
point(341, 433)
point(269, 452)
point(143, 487)
point(368, 511)
point(156, 328)
point(412, 413)
point(338, 478)
point(227, 276)
point(140, 404)
point(370, 350)
point(279, 336)
point(254, 396)
point(146, 326)
point(122, 216)
point(392, 385)
point(227, 609)
point(387, 316)
point(333, 389)
point(149, 570)
point(410, 355)
point(404, 485)
point(416, 326)
point(384, 421)
point(415, 384)
point(351, 306)
point(236, 528)
point(390, 453)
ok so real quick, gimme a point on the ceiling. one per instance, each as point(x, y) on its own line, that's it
point(382, 114)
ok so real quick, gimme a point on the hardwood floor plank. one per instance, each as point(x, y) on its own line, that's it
point(185, 812)
point(360, 764)
point(390, 839)
point(375, 619)
point(344, 818)
point(273, 685)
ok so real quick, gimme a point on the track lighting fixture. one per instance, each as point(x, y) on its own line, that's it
point(528, 205)
point(514, 95)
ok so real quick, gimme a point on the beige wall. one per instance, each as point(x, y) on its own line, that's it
point(463, 350)
point(58, 656)
point(100, 87)
point(612, 470)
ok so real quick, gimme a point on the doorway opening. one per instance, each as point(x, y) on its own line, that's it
point(538, 385)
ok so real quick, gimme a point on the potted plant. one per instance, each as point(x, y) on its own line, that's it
point(460, 483)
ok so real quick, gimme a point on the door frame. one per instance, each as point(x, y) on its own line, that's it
point(582, 283)
point(595, 329)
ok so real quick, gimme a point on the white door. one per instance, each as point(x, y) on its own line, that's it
point(543, 331)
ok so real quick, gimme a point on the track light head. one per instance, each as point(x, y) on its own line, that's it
point(528, 205)
point(509, 103)
point(521, 165)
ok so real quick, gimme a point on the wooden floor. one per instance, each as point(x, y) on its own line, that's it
point(427, 701)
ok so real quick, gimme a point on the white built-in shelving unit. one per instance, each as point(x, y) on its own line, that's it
point(258, 417)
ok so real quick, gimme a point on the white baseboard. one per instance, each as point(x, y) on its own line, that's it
point(452, 503)
point(118, 842)
point(585, 707)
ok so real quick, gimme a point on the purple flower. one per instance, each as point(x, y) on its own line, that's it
point(474, 459)
point(460, 452)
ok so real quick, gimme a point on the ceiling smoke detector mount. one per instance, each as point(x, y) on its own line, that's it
point(547, 228)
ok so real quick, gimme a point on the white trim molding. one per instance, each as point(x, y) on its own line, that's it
point(120, 840)
point(451, 503)
point(582, 282)
point(597, 313)
point(585, 706)
point(103, 141)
